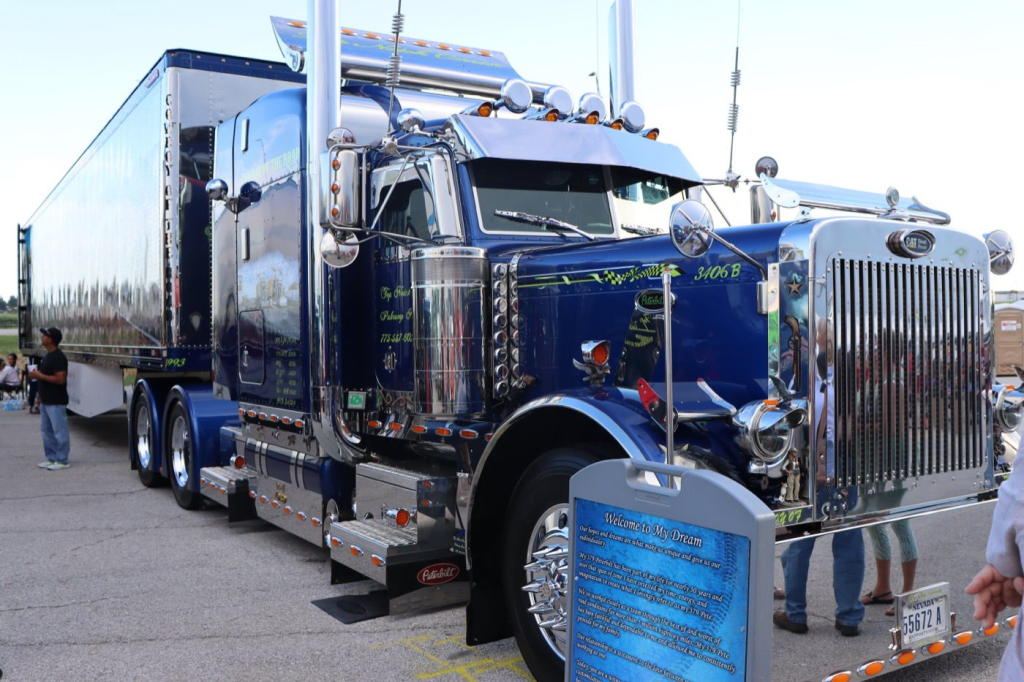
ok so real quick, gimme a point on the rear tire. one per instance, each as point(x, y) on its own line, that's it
point(143, 442)
point(536, 527)
point(179, 452)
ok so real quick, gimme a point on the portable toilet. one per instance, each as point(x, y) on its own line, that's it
point(1009, 333)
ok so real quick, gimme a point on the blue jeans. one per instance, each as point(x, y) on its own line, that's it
point(847, 576)
point(53, 423)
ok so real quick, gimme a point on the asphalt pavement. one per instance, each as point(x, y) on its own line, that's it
point(101, 578)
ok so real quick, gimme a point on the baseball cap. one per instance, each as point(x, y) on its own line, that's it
point(53, 333)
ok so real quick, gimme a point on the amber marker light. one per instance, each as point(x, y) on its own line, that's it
point(601, 353)
point(871, 668)
point(335, 188)
point(287, 509)
point(484, 53)
point(297, 24)
point(347, 32)
point(286, 421)
point(251, 414)
point(485, 109)
point(241, 411)
point(275, 504)
point(335, 212)
point(1011, 622)
point(239, 462)
point(419, 429)
point(252, 494)
point(355, 550)
point(335, 542)
point(992, 630)
point(551, 115)
point(263, 499)
point(935, 648)
point(395, 426)
point(299, 423)
point(441, 431)
point(377, 560)
point(468, 434)
point(963, 638)
point(904, 657)
point(301, 516)
point(616, 124)
point(442, 46)
point(372, 36)
point(373, 424)
point(336, 164)
point(465, 50)
point(652, 134)
point(403, 517)
point(771, 402)
point(838, 677)
point(315, 522)
point(421, 43)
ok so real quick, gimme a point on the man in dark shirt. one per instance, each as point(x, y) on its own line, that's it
point(52, 375)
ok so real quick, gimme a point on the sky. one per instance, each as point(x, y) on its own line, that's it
point(921, 95)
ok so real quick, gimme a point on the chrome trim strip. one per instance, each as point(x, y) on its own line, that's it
point(774, 349)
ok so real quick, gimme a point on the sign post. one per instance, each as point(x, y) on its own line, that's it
point(669, 581)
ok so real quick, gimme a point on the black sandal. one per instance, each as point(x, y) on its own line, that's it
point(872, 598)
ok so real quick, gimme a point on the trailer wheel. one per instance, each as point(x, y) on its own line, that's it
point(535, 559)
point(143, 444)
point(180, 458)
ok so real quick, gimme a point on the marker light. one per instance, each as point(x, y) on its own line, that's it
point(301, 516)
point(596, 352)
point(395, 426)
point(335, 542)
point(651, 133)
point(468, 434)
point(1011, 622)
point(441, 431)
point(355, 550)
point(838, 677)
point(402, 518)
point(315, 522)
point(238, 461)
point(373, 424)
point(616, 124)
point(963, 638)
point(419, 429)
point(592, 118)
point(904, 657)
point(935, 648)
point(263, 499)
point(299, 423)
point(377, 560)
point(992, 630)
point(551, 115)
point(252, 494)
point(871, 669)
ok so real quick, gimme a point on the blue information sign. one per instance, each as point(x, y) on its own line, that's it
point(657, 596)
point(660, 588)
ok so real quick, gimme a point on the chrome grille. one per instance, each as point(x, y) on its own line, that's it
point(907, 373)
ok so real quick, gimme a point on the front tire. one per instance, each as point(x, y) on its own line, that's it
point(535, 559)
point(181, 462)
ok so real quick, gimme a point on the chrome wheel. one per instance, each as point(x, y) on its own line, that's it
point(181, 452)
point(142, 435)
point(547, 574)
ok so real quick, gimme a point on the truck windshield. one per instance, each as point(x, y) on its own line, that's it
point(573, 193)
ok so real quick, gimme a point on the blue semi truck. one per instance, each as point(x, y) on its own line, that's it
point(390, 296)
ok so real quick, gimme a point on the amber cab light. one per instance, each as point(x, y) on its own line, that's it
point(592, 118)
point(652, 134)
point(485, 109)
point(403, 517)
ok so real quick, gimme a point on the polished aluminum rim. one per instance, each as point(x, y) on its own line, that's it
point(181, 451)
point(547, 575)
point(142, 425)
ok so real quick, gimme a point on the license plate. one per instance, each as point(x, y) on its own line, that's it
point(922, 616)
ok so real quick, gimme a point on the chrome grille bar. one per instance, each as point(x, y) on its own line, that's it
point(907, 372)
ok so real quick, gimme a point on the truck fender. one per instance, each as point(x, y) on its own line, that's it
point(610, 424)
point(206, 415)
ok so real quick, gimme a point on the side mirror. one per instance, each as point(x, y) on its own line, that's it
point(217, 190)
point(337, 254)
point(691, 227)
point(340, 194)
point(249, 194)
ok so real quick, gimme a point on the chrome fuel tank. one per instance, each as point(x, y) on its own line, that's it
point(449, 323)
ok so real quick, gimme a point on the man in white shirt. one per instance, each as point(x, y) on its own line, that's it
point(10, 380)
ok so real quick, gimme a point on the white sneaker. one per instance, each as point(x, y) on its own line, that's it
point(44, 465)
point(57, 466)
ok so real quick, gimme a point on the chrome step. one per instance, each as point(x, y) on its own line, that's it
point(416, 575)
point(232, 488)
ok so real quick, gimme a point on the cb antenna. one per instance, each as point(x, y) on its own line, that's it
point(395, 62)
point(732, 179)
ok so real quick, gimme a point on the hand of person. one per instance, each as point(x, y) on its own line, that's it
point(993, 592)
point(34, 374)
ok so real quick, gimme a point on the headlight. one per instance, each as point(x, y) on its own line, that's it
point(1007, 408)
point(767, 428)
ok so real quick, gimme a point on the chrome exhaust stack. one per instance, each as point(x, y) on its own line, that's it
point(620, 54)
point(323, 115)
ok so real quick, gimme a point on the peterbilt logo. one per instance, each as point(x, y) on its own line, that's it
point(652, 301)
point(437, 574)
point(911, 243)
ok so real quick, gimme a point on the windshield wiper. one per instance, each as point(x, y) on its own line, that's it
point(640, 229)
point(544, 222)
